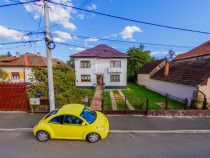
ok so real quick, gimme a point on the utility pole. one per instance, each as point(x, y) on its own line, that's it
point(49, 58)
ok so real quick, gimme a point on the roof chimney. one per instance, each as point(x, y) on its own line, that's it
point(38, 53)
point(166, 69)
point(17, 55)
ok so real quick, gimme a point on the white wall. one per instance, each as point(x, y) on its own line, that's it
point(20, 70)
point(143, 80)
point(173, 89)
point(100, 66)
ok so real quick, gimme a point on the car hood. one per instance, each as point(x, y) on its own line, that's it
point(101, 119)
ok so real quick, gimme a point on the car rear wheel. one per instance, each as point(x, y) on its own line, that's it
point(42, 136)
point(93, 137)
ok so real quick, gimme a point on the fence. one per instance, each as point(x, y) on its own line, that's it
point(13, 96)
point(141, 106)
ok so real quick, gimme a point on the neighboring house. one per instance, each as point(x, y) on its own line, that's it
point(200, 52)
point(143, 76)
point(181, 80)
point(101, 65)
point(187, 76)
point(19, 67)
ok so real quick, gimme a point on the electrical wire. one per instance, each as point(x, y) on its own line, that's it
point(132, 20)
point(14, 4)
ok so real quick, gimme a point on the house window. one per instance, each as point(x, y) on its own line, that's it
point(85, 78)
point(114, 78)
point(15, 75)
point(85, 64)
point(115, 63)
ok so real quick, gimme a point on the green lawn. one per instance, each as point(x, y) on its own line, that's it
point(137, 97)
point(107, 100)
point(75, 96)
point(119, 100)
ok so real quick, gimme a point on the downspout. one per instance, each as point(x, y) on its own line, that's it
point(204, 95)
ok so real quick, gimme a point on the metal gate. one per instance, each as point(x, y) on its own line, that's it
point(13, 96)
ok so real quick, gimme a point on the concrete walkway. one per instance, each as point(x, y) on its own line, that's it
point(127, 102)
point(96, 102)
point(114, 104)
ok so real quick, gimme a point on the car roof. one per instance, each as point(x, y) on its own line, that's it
point(73, 109)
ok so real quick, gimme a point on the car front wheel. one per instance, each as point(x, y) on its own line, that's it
point(42, 136)
point(93, 137)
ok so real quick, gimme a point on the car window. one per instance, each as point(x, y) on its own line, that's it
point(88, 115)
point(57, 120)
point(70, 119)
point(52, 113)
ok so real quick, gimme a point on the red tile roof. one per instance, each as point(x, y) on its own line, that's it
point(102, 51)
point(201, 50)
point(29, 60)
point(148, 67)
point(193, 72)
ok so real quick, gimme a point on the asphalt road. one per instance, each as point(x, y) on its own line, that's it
point(22, 144)
point(25, 120)
point(128, 145)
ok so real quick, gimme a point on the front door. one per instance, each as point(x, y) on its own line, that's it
point(99, 79)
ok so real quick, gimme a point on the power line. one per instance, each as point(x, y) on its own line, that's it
point(131, 42)
point(30, 41)
point(7, 5)
point(132, 20)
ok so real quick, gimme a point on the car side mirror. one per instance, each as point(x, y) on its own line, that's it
point(83, 124)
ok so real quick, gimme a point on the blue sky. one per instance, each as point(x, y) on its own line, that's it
point(190, 14)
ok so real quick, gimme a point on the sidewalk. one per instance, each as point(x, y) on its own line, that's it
point(25, 120)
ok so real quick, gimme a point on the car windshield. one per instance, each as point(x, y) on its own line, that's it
point(52, 113)
point(88, 115)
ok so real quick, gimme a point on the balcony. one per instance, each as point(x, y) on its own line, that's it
point(115, 69)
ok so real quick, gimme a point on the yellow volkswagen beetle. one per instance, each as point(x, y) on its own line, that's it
point(72, 121)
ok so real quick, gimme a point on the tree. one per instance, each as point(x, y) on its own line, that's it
point(171, 54)
point(70, 62)
point(64, 80)
point(3, 74)
point(138, 57)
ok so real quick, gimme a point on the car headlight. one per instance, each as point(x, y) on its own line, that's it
point(103, 128)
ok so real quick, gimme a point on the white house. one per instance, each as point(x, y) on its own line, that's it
point(186, 77)
point(101, 65)
point(19, 67)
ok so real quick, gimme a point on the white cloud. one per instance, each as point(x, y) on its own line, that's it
point(163, 53)
point(79, 49)
point(10, 34)
point(70, 48)
point(113, 35)
point(59, 40)
point(92, 7)
point(58, 14)
point(92, 39)
point(81, 16)
point(63, 35)
point(158, 53)
point(36, 17)
point(132, 40)
point(1, 45)
point(128, 31)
